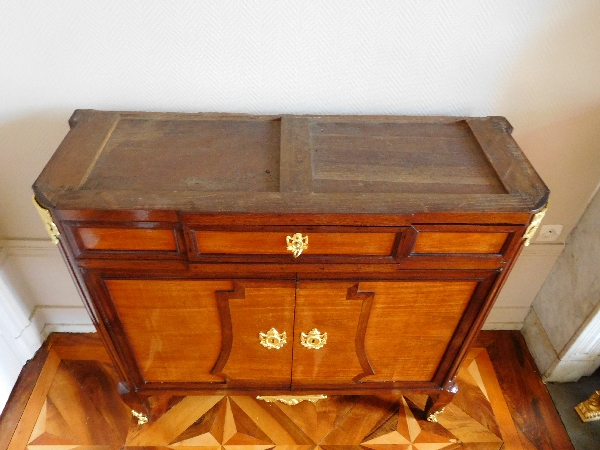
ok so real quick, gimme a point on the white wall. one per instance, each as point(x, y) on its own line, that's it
point(534, 61)
point(36, 298)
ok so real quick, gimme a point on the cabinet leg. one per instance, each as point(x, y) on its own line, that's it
point(144, 407)
point(438, 401)
point(160, 404)
point(139, 404)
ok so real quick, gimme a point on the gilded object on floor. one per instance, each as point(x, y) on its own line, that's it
point(273, 339)
point(141, 418)
point(297, 243)
point(534, 225)
point(51, 227)
point(433, 417)
point(590, 409)
point(314, 339)
point(291, 399)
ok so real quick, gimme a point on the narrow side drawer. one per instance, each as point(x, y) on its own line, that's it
point(101, 240)
point(460, 242)
point(430, 246)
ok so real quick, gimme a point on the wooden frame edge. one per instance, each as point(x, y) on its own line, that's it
point(20, 394)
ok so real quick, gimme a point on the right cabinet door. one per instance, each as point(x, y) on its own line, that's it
point(382, 330)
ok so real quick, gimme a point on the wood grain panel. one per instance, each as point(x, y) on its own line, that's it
point(15, 409)
point(274, 243)
point(256, 307)
point(383, 156)
point(372, 165)
point(411, 324)
point(203, 155)
point(36, 399)
point(530, 405)
point(448, 242)
point(172, 326)
point(325, 305)
point(127, 239)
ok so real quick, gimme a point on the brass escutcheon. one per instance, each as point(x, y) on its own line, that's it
point(314, 339)
point(297, 243)
point(273, 339)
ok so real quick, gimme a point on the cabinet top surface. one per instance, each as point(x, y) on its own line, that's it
point(289, 164)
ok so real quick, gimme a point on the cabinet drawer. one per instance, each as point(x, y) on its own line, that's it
point(459, 242)
point(149, 239)
point(460, 246)
point(276, 244)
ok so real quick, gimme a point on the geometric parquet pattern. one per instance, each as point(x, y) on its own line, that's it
point(81, 409)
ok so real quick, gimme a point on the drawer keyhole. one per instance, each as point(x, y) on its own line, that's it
point(272, 339)
point(314, 339)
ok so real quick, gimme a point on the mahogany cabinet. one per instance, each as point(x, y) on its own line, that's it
point(288, 255)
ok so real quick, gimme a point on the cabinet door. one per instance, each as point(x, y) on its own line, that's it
point(257, 323)
point(411, 325)
point(377, 331)
point(339, 313)
point(205, 331)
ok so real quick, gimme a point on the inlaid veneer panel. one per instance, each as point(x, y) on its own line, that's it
point(256, 307)
point(127, 239)
point(173, 326)
point(450, 242)
point(411, 324)
point(274, 243)
point(330, 308)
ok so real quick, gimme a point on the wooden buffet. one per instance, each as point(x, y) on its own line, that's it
point(288, 256)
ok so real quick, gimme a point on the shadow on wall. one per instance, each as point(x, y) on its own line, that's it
point(26, 145)
point(552, 99)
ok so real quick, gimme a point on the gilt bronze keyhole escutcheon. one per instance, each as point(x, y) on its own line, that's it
point(272, 339)
point(297, 243)
point(314, 339)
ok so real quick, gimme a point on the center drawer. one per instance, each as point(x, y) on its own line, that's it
point(302, 244)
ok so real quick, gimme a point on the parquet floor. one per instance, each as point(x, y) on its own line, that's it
point(72, 402)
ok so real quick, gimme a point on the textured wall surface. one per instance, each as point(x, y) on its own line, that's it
point(572, 290)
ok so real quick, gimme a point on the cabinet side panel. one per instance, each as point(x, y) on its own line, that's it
point(172, 326)
point(411, 324)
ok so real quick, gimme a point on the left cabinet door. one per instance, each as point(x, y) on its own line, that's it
point(181, 331)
